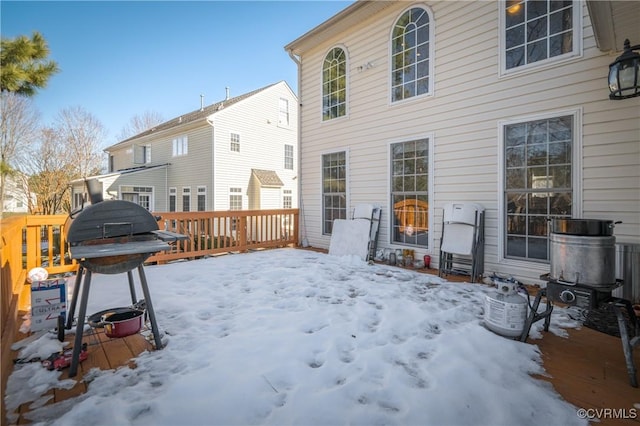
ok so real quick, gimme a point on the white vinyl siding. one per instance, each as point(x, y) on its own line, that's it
point(262, 147)
point(471, 99)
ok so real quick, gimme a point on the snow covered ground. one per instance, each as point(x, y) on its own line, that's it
point(294, 337)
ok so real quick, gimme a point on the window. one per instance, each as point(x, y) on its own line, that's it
point(283, 112)
point(286, 199)
point(537, 183)
point(180, 146)
point(140, 195)
point(536, 31)
point(173, 195)
point(235, 203)
point(411, 50)
point(202, 198)
point(334, 84)
point(235, 142)
point(111, 166)
point(288, 157)
point(410, 192)
point(142, 154)
point(235, 198)
point(334, 189)
point(186, 199)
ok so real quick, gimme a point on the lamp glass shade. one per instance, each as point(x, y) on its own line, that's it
point(623, 76)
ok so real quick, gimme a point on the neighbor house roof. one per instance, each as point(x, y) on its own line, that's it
point(267, 177)
point(199, 114)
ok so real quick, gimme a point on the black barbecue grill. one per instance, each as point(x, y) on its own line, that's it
point(112, 237)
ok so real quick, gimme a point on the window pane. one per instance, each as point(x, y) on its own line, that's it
point(409, 192)
point(334, 83)
point(537, 248)
point(514, 13)
point(539, 191)
point(515, 57)
point(549, 31)
point(515, 36)
point(408, 80)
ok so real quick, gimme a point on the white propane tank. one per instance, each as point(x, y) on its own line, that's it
point(505, 310)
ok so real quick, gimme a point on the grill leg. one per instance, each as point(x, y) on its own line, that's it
point(132, 288)
point(152, 315)
point(77, 344)
point(74, 299)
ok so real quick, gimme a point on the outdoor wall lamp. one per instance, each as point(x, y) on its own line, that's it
point(624, 80)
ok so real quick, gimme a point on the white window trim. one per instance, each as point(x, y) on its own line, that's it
point(288, 123)
point(432, 52)
point(201, 190)
point(347, 185)
point(430, 187)
point(180, 146)
point(546, 63)
point(347, 84)
point(576, 180)
point(239, 142)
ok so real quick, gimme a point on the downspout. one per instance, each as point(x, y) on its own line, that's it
point(303, 228)
point(212, 198)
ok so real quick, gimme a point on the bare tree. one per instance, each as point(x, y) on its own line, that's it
point(49, 167)
point(69, 150)
point(140, 123)
point(83, 135)
point(19, 121)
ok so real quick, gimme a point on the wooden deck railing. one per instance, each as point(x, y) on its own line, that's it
point(30, 241)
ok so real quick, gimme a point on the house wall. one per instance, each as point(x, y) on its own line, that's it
point(463, 119)
point(255, 118)
point(262, 141)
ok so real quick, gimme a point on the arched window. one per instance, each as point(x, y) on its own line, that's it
point(334, 84)
point(410, 55)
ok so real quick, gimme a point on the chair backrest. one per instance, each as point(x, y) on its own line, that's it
point(460, 222)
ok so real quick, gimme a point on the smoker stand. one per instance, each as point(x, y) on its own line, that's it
point(535, 316)
point(83, 280)
point(628, 342)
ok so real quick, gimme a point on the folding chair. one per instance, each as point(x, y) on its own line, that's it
point(462, 240)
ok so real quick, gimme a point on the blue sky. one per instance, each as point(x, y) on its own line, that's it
point(119, 59)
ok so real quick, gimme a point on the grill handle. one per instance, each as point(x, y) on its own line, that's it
point(117, 227)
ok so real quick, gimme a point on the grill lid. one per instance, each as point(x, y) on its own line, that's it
point(109, 219)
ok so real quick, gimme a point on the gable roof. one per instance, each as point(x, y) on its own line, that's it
point(190, 117)
point(342, 21)
point(267, 177)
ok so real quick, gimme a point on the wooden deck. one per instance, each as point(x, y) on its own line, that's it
point(587, 369)
point(104, 353)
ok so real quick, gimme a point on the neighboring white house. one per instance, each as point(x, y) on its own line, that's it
point(240, 153)
point(504, 104)
point(15, 196)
